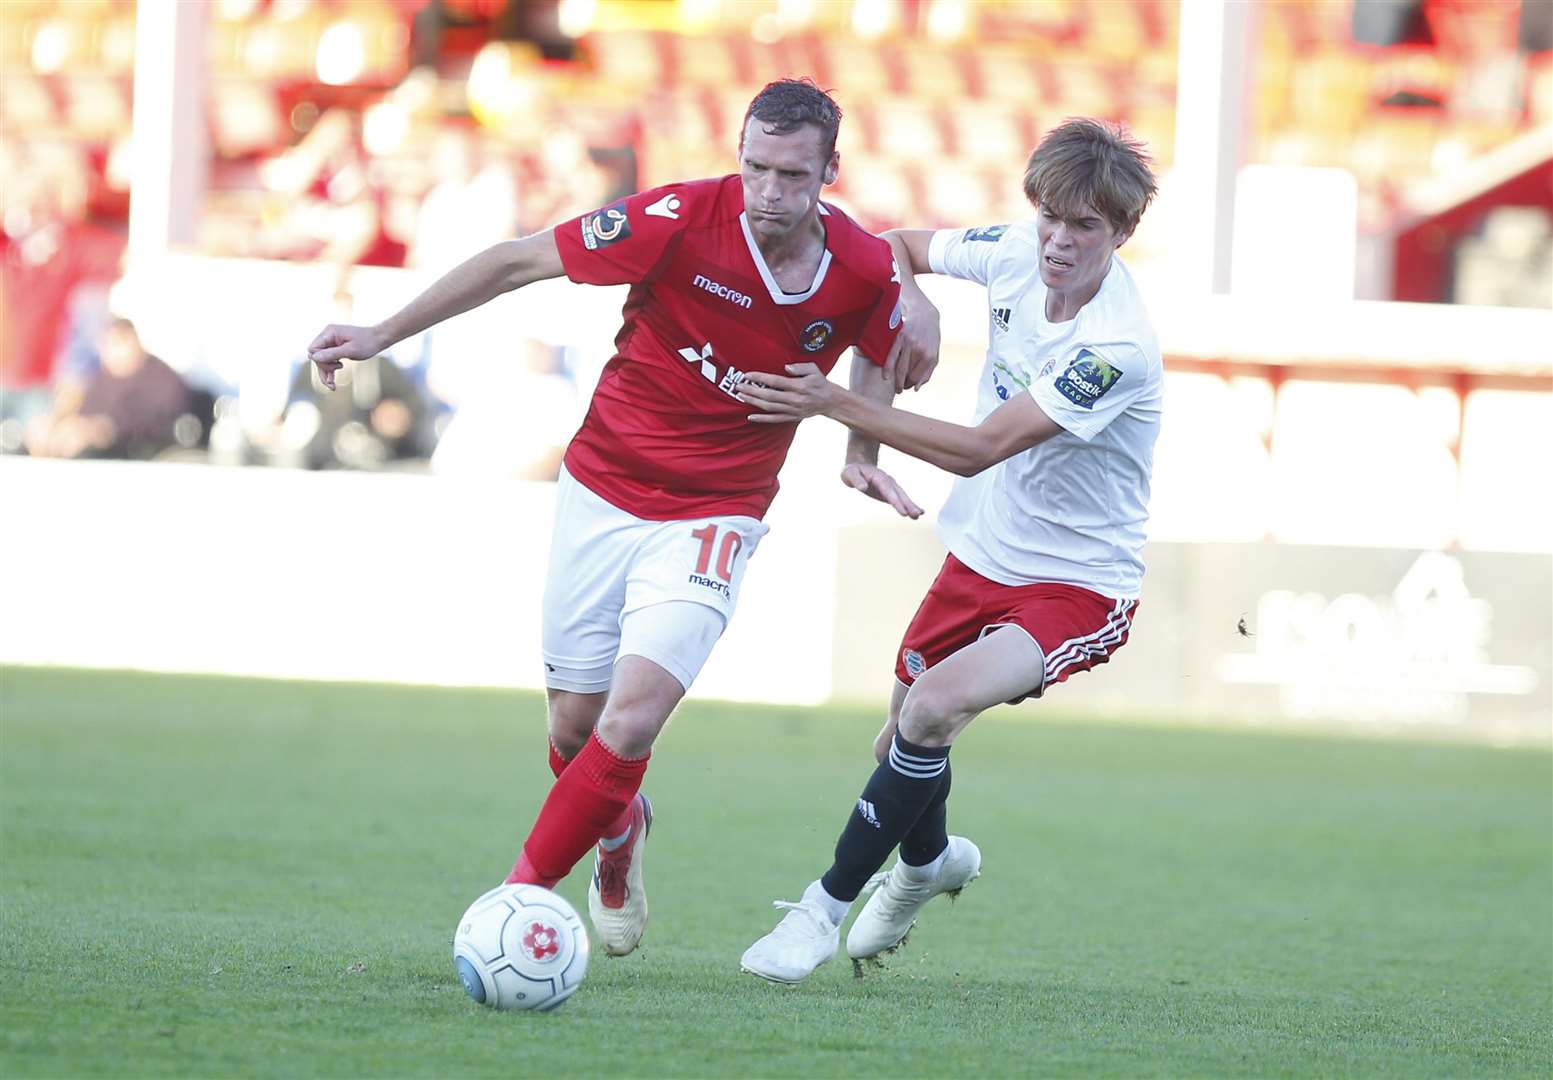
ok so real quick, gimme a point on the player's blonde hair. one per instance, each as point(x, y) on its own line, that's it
point(1090, 161)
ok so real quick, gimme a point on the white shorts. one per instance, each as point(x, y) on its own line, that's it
point(619, 584)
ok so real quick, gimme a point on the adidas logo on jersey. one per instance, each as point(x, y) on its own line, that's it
point(1000, 317)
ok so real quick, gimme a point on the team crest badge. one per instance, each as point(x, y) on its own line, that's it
point(915, 665)
point(604, 227)
point(989, 233)
point(817, 335)
point(1087, 379)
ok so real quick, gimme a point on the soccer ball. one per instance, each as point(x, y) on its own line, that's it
point(520, 947)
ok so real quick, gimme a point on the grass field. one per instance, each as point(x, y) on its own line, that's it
point(207, 877)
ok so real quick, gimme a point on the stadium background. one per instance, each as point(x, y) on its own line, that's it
point(1350, 268)
point(1351, 264)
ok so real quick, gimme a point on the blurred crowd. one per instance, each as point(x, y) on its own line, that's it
point(412, 133)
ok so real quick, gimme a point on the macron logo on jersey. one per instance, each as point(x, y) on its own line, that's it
point(733, 296)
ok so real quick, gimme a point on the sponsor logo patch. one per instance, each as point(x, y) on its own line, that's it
point(1000, 316)
point(895, 316)
point(604, 227)
point(816, 335)
point(915, 665)
point(990, 233)
point(1087, 379)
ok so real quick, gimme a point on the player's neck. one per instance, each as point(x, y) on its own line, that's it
point(797, 251)
point(1064, 306)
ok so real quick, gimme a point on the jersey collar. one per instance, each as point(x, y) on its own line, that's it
point(777, 295)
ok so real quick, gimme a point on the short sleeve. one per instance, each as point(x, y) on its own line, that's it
point(1090, 387)
point(884, 322)
point(965, 253)
point(621, 243)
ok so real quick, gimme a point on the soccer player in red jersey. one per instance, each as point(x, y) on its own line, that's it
point(659, 505)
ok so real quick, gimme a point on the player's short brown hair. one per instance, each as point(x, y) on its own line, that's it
point(1090, 161)
point(784, 106)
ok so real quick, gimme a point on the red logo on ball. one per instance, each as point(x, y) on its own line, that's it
point(541, 942)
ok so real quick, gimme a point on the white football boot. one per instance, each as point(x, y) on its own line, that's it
point(804, 939)
point(902, 890)
point(617, 899)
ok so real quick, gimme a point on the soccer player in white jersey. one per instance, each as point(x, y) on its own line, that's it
point(1045, 528)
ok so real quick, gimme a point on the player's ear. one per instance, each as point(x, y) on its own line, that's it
point(832, 167)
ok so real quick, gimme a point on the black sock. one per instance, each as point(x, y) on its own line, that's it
point(930, 835)
point(900, 789)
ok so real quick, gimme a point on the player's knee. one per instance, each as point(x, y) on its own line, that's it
point(630, 732)
point(931, 716)
point(637, 710)
point(572, 718)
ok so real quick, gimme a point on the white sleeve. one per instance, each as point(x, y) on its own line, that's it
point(1091, 386)
point(965, 253)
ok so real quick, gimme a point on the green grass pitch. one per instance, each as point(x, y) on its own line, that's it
point(215, 877)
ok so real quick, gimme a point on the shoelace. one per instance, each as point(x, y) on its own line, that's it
point(612, 880)
point(807, 910)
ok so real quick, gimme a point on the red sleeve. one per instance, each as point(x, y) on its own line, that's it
point(884, 322)
point(621, 243)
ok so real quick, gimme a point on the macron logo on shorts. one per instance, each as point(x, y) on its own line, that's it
point(711, 583)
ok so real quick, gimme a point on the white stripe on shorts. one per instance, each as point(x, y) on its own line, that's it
point(1099, 643)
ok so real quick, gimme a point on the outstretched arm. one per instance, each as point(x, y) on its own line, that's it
point(915, 355)
point(1013, 427)
point(500, 268)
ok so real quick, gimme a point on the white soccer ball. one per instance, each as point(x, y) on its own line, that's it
point(520, 947)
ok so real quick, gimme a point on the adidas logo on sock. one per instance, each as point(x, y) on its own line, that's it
point(865, 810)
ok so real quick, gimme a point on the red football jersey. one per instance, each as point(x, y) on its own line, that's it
point(664, 437)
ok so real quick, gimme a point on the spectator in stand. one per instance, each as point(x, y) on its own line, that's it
point(379, 416)
point(128, 409)
point(510, 419)
point(468, 208)
point(50, 245)
point(333, 211)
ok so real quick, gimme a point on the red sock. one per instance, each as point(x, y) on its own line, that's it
point(587, 799)
point(617, 827)
point(558, 762)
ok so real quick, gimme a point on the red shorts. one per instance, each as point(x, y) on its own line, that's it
point(1075, 628)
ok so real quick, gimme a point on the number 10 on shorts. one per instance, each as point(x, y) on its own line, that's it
point(727, 551)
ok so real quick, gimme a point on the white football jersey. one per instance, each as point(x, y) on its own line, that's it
point(1072, 509)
